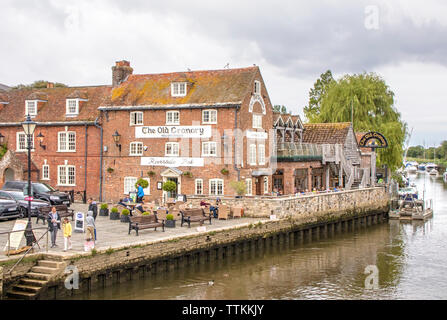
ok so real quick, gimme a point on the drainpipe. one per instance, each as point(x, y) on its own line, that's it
point(235, 144)
point(85, 164)
point(100, 159)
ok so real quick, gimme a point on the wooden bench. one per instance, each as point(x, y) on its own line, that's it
point(62, 210)
point(194, 215)
point(145, 222)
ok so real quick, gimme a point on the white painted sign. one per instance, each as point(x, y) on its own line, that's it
point(173, 132)
point(16, 237)
point(172, 161)
point(79, 222)
point(256, 135)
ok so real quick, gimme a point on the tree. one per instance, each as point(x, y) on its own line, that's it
point(415, 152)
point(371, 102)
point(315, 94)
point(279, 108)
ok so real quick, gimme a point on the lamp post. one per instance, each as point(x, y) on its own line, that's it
point(116, 137)
point(28, 127)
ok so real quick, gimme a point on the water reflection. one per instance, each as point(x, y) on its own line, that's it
point(410, 258)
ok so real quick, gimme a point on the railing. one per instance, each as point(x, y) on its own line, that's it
point(294, 149)
point(9, 237)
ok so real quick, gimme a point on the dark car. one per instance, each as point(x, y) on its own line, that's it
point(40, 191)
point(8, 208)
point(19, 198)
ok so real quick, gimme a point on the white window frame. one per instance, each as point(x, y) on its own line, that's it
point(129, 182)
point(252, 155)
point(35, 102)
point(257, 121)
point(249, 187)
point(174, 145)
point(47, 176)
point(196, 184)
point(18, 149)
point(67, 145)
point(216, 181)
point(172, 120)
point(179, 89)
point(257, 87)
point(137, 144)
point(66, 175)
point(261, 154)
point(210, 120)
point(67, 107)
point(266, 184)
point(207, 147)
point(135, 118)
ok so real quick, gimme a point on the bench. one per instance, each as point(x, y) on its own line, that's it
point(145, 222)
point(194, 215)
point(62, 210)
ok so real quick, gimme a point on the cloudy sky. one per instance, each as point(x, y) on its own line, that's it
point(293, 42)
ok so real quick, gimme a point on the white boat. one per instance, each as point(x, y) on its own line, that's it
point(430, 166)
point(433, 172)
point(444, 176)
point(411, 169)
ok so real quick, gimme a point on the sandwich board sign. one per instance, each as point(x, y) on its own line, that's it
point(16, 237)
point(79, 222)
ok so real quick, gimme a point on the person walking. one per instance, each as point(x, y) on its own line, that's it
point(90, 222)
point(54, 223)
point(140, 194)
point(94, 208)
point(66, 228)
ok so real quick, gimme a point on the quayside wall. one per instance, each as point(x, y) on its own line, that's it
point(298, 218)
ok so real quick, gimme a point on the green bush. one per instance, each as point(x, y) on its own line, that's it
point(104, 206)
point(125, 212)
point(239, 187)
point(145, 213)
point(114, 210)
point(142, 182)
point(169, 217)
point(169, 186)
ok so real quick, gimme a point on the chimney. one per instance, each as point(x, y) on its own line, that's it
point(50, 85)
point(120, 72)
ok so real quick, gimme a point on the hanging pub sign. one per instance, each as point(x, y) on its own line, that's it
point(373, 140)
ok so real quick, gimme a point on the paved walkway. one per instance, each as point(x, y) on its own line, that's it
point(114, 234)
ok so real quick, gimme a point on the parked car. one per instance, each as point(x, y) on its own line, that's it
point(19, 198)
point(40, 191)
point(8, 208)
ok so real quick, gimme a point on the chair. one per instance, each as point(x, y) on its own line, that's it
point(237, 212)
point(224, 212)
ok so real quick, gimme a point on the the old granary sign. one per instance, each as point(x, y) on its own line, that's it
point(172, 161)
point(173, 132)
point(373, 140)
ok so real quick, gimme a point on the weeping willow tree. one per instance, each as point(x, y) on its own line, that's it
point(367, 101)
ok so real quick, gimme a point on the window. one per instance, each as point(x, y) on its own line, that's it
point(31, 107)
point(257, 87)
point(172, 117)
point(136, 118)
point(252, 155)
point(22, 141)
point(178, 89)
point(209, 116)
point(257, 121)
point(248, 184)
point(66, 141)
point(66, 175)
point(261, 152)
point(45, 172)
point(171, 149)
point(209, 149)
point(72, 106)
point(136, 149)
point(216, 187)
point(199, 186)
point(129, 184)
point(266, 184)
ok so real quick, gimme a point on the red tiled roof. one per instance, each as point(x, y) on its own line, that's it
point(321, 133)
point(54, 109)
point(210, 86)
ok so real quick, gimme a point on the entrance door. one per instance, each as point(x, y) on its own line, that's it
point(259, 184)
point(8, 175)
point(173, 194)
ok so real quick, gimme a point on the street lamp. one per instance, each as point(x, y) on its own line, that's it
point(28, 127)
point(40, 136)
point(116, 137)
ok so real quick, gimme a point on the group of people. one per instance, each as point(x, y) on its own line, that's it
point(214, 209)
point(54, 224)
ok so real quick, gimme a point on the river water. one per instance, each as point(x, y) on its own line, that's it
point(410, 258)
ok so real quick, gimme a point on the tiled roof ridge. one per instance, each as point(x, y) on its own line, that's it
point(144, 75)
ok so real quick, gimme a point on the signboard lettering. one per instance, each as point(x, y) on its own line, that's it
point(373, 140)
point(256, 135)
point(172, 162)
point(173, 132)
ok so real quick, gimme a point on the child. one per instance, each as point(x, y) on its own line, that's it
point(66, 227)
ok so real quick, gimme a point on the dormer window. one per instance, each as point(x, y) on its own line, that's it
point(257, 87)
point(72, 107)
point(31, 107)
point(178, 89)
